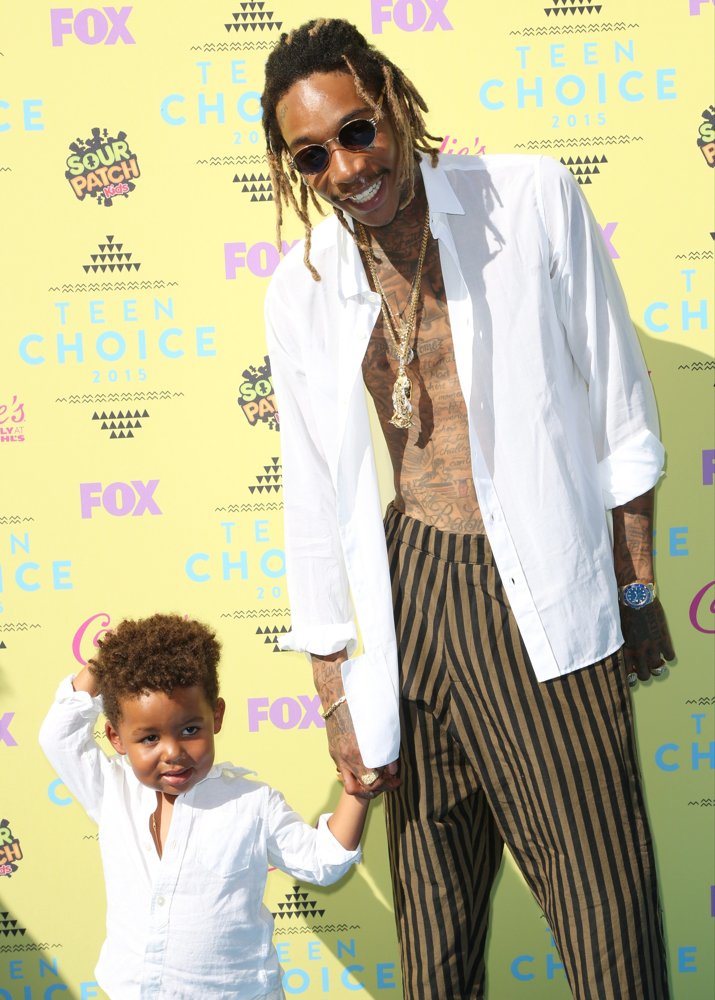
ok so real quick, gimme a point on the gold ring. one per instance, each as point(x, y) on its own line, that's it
point(369, 778)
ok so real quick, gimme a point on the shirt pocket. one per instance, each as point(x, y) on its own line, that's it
point(229, 850)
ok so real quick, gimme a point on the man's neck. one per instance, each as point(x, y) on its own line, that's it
point(400, 240)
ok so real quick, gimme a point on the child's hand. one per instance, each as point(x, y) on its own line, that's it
point(85, 681)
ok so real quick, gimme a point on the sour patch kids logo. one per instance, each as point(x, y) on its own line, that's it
point(102, 166)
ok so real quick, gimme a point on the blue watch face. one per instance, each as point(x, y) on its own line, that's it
point(637, 595)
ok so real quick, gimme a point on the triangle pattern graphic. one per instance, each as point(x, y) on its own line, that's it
point(251, 16)
point(298, 904)
point(584, 168)
point(120, 425)
point(272, 479)
point(258, 186)
point(8, 926)
point(110, 256)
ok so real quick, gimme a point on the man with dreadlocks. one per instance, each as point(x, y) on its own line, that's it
point(476, 298)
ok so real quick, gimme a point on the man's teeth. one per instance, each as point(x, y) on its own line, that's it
point(367, 194)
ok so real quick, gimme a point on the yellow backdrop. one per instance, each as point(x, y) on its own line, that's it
point(139, 442)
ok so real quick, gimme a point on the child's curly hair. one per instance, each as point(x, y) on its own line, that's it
point(155, 654)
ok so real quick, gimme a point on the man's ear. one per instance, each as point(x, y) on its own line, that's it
point(218, 715)
point(114, 738)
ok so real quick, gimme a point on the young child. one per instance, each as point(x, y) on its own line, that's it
point(185, 843)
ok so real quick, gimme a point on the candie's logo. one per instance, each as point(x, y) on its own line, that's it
point(103, 167)
point(10, 850)
point(12, 419)
point(706, 135)
point(256, 398)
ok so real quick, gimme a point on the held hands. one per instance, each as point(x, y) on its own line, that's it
point(357, 778)
point(647, 641)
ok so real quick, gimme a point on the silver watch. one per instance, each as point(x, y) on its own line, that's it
point(637, 595)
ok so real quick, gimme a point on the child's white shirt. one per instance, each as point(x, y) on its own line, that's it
point(191, 923)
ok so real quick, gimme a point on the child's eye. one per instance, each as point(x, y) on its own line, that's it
point(148, 740)
point(191, 730)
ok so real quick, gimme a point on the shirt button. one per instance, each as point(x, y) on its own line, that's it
point(160, 900)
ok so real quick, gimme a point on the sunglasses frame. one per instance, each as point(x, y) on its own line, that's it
point(336, 138)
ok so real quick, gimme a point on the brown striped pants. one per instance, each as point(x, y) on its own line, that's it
point(489, 757)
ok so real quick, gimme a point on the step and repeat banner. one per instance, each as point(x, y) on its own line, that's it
point(140, 454)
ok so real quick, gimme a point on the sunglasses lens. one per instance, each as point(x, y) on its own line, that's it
point(358, 134)
point(311, 159)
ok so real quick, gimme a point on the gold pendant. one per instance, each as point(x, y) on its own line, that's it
point(401, 405)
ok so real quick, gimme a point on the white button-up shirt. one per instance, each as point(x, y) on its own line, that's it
point(192, 923)
point(562, 423)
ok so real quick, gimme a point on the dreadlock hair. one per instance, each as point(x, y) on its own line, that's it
point(329, 45)
point(155, 654)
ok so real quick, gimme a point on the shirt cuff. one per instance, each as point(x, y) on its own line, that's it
point(330, 850)
point(322, 641)
point(632, 469)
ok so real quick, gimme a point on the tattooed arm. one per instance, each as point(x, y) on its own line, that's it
point(342, 742)
point(645, 630)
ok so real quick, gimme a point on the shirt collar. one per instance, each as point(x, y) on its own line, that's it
point(442, 200)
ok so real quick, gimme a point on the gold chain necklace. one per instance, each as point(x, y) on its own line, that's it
point(155, 833)
point(401, 330)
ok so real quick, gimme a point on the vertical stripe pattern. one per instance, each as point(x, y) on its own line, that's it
point(489, 757)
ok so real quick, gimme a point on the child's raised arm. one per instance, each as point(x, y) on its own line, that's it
point(84, 681)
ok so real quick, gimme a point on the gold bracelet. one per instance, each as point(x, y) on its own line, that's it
point(336, 704)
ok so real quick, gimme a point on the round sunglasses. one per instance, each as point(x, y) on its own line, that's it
point(354, 136)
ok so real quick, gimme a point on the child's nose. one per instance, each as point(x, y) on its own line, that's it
point(171, 749)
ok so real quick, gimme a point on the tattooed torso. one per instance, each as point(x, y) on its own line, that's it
point(430, 460)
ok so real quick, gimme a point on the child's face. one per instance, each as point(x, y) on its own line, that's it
point(169, 739)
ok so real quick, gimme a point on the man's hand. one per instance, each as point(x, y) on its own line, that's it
point(645, 630)
point(647, 640)
point(357, 778)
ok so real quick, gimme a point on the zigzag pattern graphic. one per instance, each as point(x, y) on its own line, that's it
point(695, 255)
point(10, 949)
point(224, 161)
point(18, 518)
point(116, 397)
point(5, 170)
point(242, 508)
point(575, 29)
point(316, 929)
point(119, 286)
point(263, 613)
point(230, 46)
point(706, 803)
point(561, 143)
point(697, 366)
point(703, 700)
point(17, 626)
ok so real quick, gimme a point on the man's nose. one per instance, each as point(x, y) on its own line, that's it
point(345, 164)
